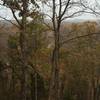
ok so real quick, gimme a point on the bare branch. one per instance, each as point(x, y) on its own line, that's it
point(65, 8)
point(15, 17)
point(72, 15)
point(60, 7)
point(9, 21)
point(93, 11)
point(78, 37)
point(54, 13)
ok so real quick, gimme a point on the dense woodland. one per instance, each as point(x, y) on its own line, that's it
point(45, 56)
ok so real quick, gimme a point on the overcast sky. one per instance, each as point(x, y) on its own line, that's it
point(4, 12)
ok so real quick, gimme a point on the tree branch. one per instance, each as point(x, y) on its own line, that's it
point(65, 8)
point(93, 11)
point(15, 17)
point(9, 21)
point(78, 37)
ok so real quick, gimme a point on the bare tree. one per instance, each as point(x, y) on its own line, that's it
point(61, 10)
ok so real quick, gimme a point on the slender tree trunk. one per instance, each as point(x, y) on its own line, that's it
point(32, 87)
point(34, 84)
point(54, 85)
point(13, 84)
point(23, 69)
point(89, 91)
point(23, 51)
point(36, 96)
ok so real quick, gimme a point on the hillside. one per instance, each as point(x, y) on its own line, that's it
point(69, 29)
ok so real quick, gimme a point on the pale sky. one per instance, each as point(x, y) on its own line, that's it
point(4, 12)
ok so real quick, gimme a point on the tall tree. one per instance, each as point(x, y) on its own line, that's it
point(24, 12)
point(60, 11)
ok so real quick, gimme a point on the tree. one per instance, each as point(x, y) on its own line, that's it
point(22, 7)
point(61, 10)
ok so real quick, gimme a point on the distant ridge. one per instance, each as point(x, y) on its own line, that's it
point(72, 20)
point(78, 20)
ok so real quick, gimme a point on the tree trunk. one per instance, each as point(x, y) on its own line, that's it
point(23, 51)
point(54, 84)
